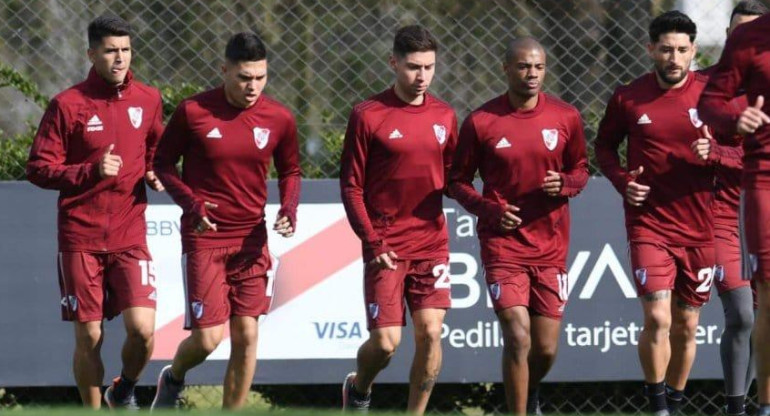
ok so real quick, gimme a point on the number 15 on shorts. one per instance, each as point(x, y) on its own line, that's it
point(147, 268)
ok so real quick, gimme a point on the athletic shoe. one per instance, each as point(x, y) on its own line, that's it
point(168, 392)
point(533, 408)
point(353, 400)
point(129, 403)
point(743, 413)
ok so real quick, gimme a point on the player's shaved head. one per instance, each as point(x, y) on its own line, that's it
point(521, 44)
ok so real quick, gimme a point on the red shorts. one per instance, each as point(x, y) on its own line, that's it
point(225, 282)
point(757, 231)
point(424, 283)
point(687, 271)
point(95, 286)
point(542, 289)
point(727, 249)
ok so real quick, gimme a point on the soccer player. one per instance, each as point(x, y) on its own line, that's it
point(745, 68)
point(395, 159)
point(530, 150)
point(734, 290)
point(667, 192)
point(226, 137)
point(95, 145)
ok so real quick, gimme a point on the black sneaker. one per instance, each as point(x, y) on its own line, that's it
point(353, 400)
point(168, 392)
point(533, 408)
point(129, 403)
point(743, 413)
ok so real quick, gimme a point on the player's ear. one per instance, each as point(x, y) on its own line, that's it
point(393, 61)
point(91, 54)
point(650, 48)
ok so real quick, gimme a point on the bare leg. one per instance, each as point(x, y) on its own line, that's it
point(654, 346)
point(137, 349)
point(427, 358)
point(375, 354)
point(515, 324)
point(244, 332)
point(683, 325)
point(87, 362)
point(195, 348)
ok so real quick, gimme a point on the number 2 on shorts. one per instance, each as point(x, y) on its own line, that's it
point(705, 275)
point(441, 273)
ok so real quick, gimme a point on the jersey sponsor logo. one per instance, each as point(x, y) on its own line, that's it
point(94, 124)
point(214, 134)
point(440, 132)
point(197, 309)
point(550, 138)
point(719, 272)
point(641, 276)
point(694, 119)
point(395, 134)
point(135, 115)
point(261, 136)
point(503, 143)
point(644, 119)
point(495, 291)
point(374, 310)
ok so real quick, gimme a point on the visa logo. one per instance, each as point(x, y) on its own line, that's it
point(337, 330)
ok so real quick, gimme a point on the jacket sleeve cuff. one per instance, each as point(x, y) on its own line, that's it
point(291, 214)
point(375, 248)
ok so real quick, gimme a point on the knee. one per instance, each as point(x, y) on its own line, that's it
point(658, 321)
point(386, 346)
point(545, 352)
point(429, 333)
point(740, 320)
point(518, 341)
point(208, 341)
point(89, 337)
point(142, 333)
point(685, 327)
point(244, 337)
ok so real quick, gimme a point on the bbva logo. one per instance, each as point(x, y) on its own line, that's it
point(607, 261)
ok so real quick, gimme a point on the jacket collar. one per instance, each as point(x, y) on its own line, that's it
point(97, 85)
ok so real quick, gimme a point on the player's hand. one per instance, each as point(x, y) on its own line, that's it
point(386, 260)
point(205, 224)
point(283, 227)
point(702, 147)
point(636, 193)
point(153, 181)
point(552, 183)
point(510, 221)
point(110, 164)
point(753, 118)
